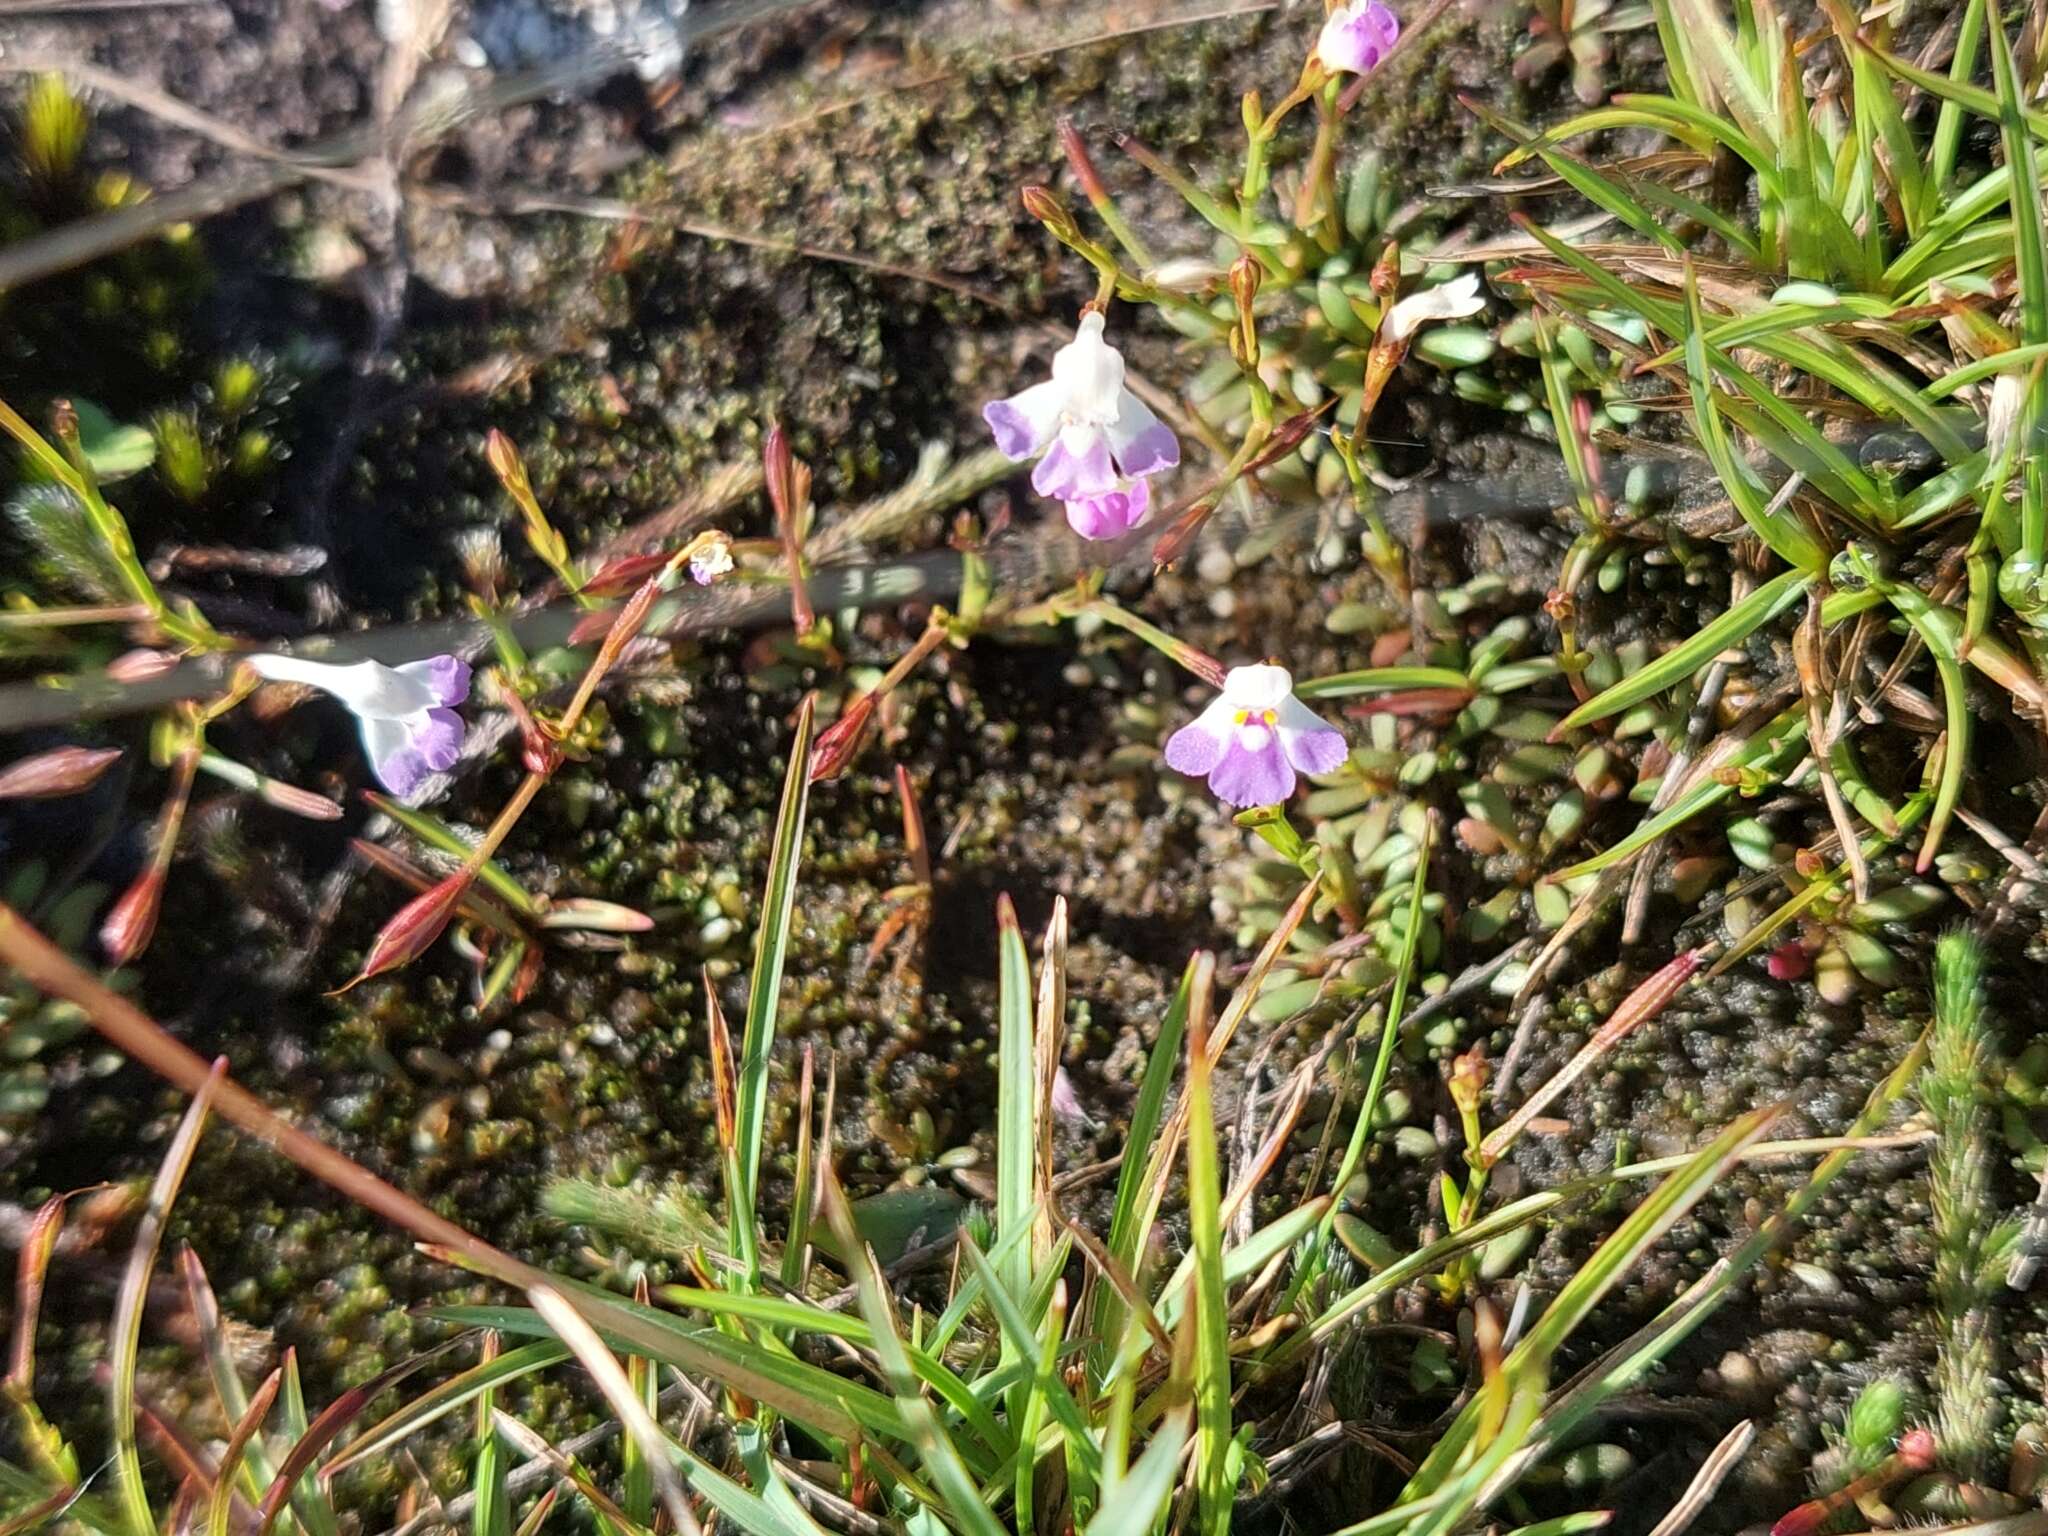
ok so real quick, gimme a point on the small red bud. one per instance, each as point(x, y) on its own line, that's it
point(132, 922)
point(1916, 1450)
point(1245, 275)
point(505, 462)
point(56, 773)
point(527, 975)
point(300, 802)
point(594, 625)
point(624, 574)
point(412, 931)
point(840, 742)
point(140, 665)
point(1386, 272)
point(1468, 1080)
point(1044, 205)
point(1077, 161)
point(538, 752)
point(1789, 961)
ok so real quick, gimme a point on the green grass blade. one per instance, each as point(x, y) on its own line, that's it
point(2023, 174)
point(132, 1492)
point(1948, 122)
point(1017, 1325)
point(771, 945)
point(1390, 1036)
point(1127, 1219)
point(229, 1468)
point(473, 1385)
point(936, 1451)
point(1136, 1503)
point(773, 1512)
point(1767, 753)
point(1525, 1374)
point(1338, 685)
point(1016, 1097)
point(828, 1404)
point(1626, 1365)
point(1246, 1259)
point(309, 1501)
point(1712, 52)
point(1213, 1491)
point(1531, 1359)
point(436, 833)
point(1731, 627)
point(1962, 214)
point(1779, 527)
point(491, 1513)
point(1679, 70)
point(2012, 360)
point(636, 1424)
point(1970, 98)
point(801, 1318)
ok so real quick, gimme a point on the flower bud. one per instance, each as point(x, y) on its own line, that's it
point(1245, 276)
point(52, 775)
point(789, 489)
point(1386, 272)
point(595, 916)
point(623, 574)
point(840, 742)
point(506, 464)
point(140, 665)
point(1789, 961)
point(1079, 162)
point(1468, 1081)
point(1044, 205)
point(300, 802)
point(1916, 1450)
point(413, 929)
point(132, 922)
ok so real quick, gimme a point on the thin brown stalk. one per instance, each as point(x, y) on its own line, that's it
point(1637, 1009)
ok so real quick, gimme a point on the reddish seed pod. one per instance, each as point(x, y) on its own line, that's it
point(52, 775)
point(412, 931)
point(132, 922)
point(140, 665)
point(840, 742)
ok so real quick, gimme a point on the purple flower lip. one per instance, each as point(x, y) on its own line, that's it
point(1252, 741)
point(1112, 514)
point(1357, 37)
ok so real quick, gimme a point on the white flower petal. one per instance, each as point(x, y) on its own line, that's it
point(1027, 421)
point(369, 688)
point(1446, 301)
point(1089, 373)
point(1257, 687)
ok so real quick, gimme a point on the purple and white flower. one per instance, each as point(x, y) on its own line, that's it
point(1356, 37)
point(1099, 441)
point(406, 713)
point(1250, 743)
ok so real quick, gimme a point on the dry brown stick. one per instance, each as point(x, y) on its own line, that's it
point(50, 971)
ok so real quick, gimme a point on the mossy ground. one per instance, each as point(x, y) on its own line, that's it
point(626, 362)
